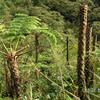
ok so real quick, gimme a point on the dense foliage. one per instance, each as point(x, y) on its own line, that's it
point(44, 34)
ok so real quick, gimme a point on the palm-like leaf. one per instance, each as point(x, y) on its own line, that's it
point(23, 25)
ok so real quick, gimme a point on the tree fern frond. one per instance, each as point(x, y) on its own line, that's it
point(23, 25)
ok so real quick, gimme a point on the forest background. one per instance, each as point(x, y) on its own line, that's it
point(45, 35)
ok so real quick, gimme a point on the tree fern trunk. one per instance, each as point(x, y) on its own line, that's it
point(15, 80)
point(8, 81)
point(36, 48)
point(89, 70)
point(81, 53)
point(94, 42)
point(67, 45)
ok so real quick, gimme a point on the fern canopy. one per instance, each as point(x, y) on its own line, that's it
point(23, 25)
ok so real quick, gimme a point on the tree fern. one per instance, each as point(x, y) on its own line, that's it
point(81, 53)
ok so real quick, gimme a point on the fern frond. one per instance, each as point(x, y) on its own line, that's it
point(23, 25)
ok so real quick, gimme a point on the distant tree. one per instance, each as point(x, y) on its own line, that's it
point(52, 18)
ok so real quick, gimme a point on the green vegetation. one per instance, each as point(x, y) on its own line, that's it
point(49, 50)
